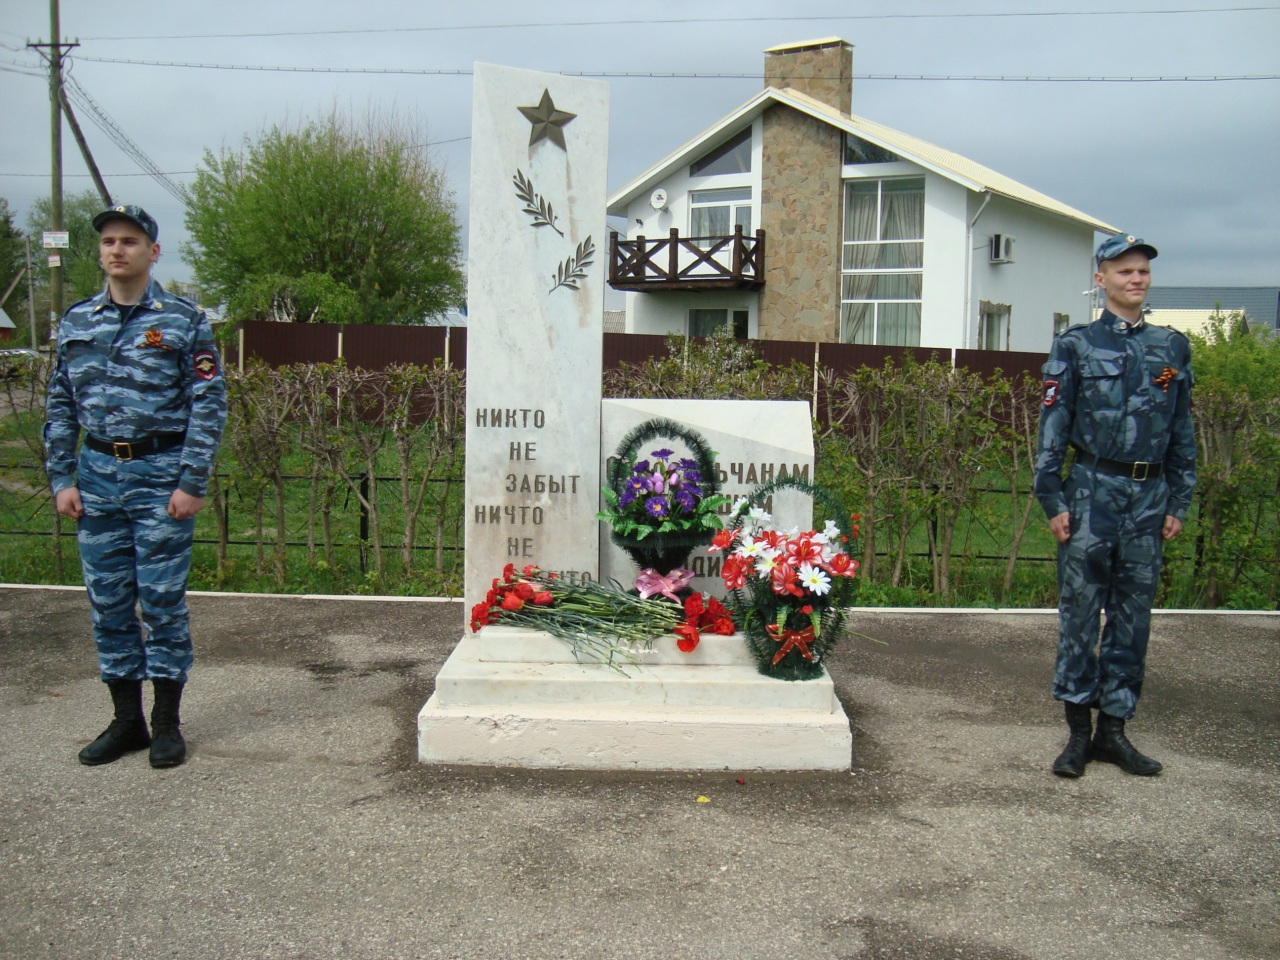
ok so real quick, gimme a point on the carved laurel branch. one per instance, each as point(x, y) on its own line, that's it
point(575, 268)
point(535, 206)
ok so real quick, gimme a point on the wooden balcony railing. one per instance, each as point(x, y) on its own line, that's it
point(693, 263)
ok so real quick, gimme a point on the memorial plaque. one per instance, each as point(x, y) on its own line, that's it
point(756, 442)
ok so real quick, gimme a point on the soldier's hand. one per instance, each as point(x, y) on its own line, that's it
point(183, 506)
point(69, 504)
point(1172, 527)
point(1060, 527)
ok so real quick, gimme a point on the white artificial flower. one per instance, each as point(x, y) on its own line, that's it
point(814, 579)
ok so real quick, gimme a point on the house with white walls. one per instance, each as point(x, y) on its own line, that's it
point(792, 218)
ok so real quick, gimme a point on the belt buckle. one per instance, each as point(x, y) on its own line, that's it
point(1146, 471)
point(117, 447)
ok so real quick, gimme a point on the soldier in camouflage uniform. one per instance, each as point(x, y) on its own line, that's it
point(1118, 392)
point(137, 374)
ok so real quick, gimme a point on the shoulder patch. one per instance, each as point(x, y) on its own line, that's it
point(206, 364)
point(1051, 392)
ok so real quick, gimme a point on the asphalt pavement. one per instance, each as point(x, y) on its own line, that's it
point(302, 825)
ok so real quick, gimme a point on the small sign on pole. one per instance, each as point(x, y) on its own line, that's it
point(56, 238)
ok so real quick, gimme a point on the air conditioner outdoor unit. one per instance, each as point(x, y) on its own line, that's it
point(1001, 248)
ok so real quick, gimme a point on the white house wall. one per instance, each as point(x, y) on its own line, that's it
point(663, 313)
point(942, 296)
point(1051, 271)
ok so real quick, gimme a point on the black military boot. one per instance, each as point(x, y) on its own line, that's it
point(127, 732)
point(1071, 761)
point(1110, 745)
point(168, 749)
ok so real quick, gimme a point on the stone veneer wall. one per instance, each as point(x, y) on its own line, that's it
point(824, 73)
point(800, 212)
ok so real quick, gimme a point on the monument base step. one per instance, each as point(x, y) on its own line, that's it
point(663, 716)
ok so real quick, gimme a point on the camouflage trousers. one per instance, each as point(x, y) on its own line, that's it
point(135, 557)
point(1111, 563)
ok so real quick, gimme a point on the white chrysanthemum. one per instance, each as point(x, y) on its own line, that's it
point(814, 579)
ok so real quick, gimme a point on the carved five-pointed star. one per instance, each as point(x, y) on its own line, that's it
point(548, 122)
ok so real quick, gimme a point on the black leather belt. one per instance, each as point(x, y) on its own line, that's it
point(133, 449)
point(1119, 468)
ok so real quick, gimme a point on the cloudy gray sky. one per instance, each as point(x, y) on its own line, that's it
point(1190, 165)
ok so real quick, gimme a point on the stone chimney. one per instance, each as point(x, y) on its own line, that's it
point(822, 69)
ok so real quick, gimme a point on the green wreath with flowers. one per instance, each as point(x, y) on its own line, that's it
point(660, 503)
point(788, 590)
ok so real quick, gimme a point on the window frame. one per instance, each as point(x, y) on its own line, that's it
point(875, 272)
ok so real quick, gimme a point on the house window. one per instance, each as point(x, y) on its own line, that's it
point(731, 157)
point(1060, 322)
point(707, 323)
point(857, 150)
point(883, 260)
point(993, 326)
point(714, 213)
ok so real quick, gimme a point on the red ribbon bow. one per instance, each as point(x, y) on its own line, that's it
point(791, 639)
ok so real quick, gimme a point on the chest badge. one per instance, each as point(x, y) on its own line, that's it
point(154, 338)
point(1166, 375)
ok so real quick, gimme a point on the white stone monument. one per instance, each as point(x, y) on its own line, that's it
point(516, 697)
point(535, 302)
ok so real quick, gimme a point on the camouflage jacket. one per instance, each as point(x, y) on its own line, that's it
point(1118, 392)
point(157, 373)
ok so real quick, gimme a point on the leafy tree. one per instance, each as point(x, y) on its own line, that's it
point(12, 262)
point(327, 222)
point(1237, 414)
point(81, 271)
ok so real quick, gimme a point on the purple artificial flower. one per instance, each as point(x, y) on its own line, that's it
point(657, 507)
point(656, 483)
point(685, 500)
point(663, 454)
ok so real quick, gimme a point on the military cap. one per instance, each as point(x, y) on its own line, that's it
point(1112, 247)
point(135, 215)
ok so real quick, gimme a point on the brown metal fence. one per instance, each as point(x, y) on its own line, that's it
point(376, 347)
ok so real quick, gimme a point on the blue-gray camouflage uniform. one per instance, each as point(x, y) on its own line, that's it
point(149, 396)
point(1120, 394)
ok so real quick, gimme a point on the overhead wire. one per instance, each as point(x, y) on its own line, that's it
point(655, 75)
point(674, 21)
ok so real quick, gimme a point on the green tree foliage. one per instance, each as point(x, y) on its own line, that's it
point(1237, 414)
point(12, 262)
point(329, 221)
point(81, 271)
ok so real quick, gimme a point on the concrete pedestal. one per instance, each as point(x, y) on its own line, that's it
point(512, 697)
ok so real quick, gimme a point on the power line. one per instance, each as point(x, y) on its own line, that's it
point(654, 75)
point(692, 20)
point(108, 126)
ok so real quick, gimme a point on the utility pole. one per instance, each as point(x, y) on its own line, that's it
point(55, 148)
point(56, 96)
point(31, 297)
